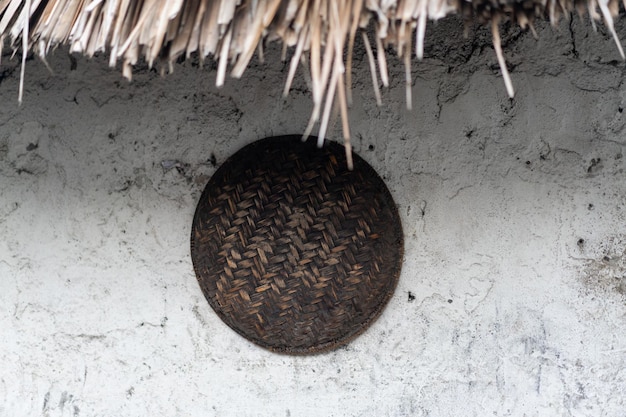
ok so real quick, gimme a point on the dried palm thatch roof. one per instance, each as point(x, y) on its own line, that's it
point(231, 31)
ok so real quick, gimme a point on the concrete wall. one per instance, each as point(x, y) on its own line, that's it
point(512, 298)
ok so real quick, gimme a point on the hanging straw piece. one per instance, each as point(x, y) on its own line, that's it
point(25, 16)
point(295, 60)
point(382, 62)
point(408, 82)
point(354, 25)
point(370, 58)
point(604, 8)
point(498, 47)
point(421, 31)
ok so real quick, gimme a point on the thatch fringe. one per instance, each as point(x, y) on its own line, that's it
point(231, 31)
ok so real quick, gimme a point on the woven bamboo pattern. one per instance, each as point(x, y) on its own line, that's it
point(294, 251)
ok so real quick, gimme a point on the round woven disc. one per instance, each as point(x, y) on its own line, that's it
point(292, 250)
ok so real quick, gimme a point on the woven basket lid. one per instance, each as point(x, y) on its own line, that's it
point(291, 249)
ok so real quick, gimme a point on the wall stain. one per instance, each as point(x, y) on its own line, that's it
point(606, 273)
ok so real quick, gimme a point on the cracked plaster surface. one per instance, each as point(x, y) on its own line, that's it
point(512, 298)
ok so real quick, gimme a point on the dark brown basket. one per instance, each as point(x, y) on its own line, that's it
point(293, 251)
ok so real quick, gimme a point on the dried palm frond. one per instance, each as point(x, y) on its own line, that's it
point(230, 31)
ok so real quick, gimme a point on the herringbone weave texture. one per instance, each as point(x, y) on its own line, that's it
point(292, 250)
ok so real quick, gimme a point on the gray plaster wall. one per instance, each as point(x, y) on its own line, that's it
point(512, 297)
